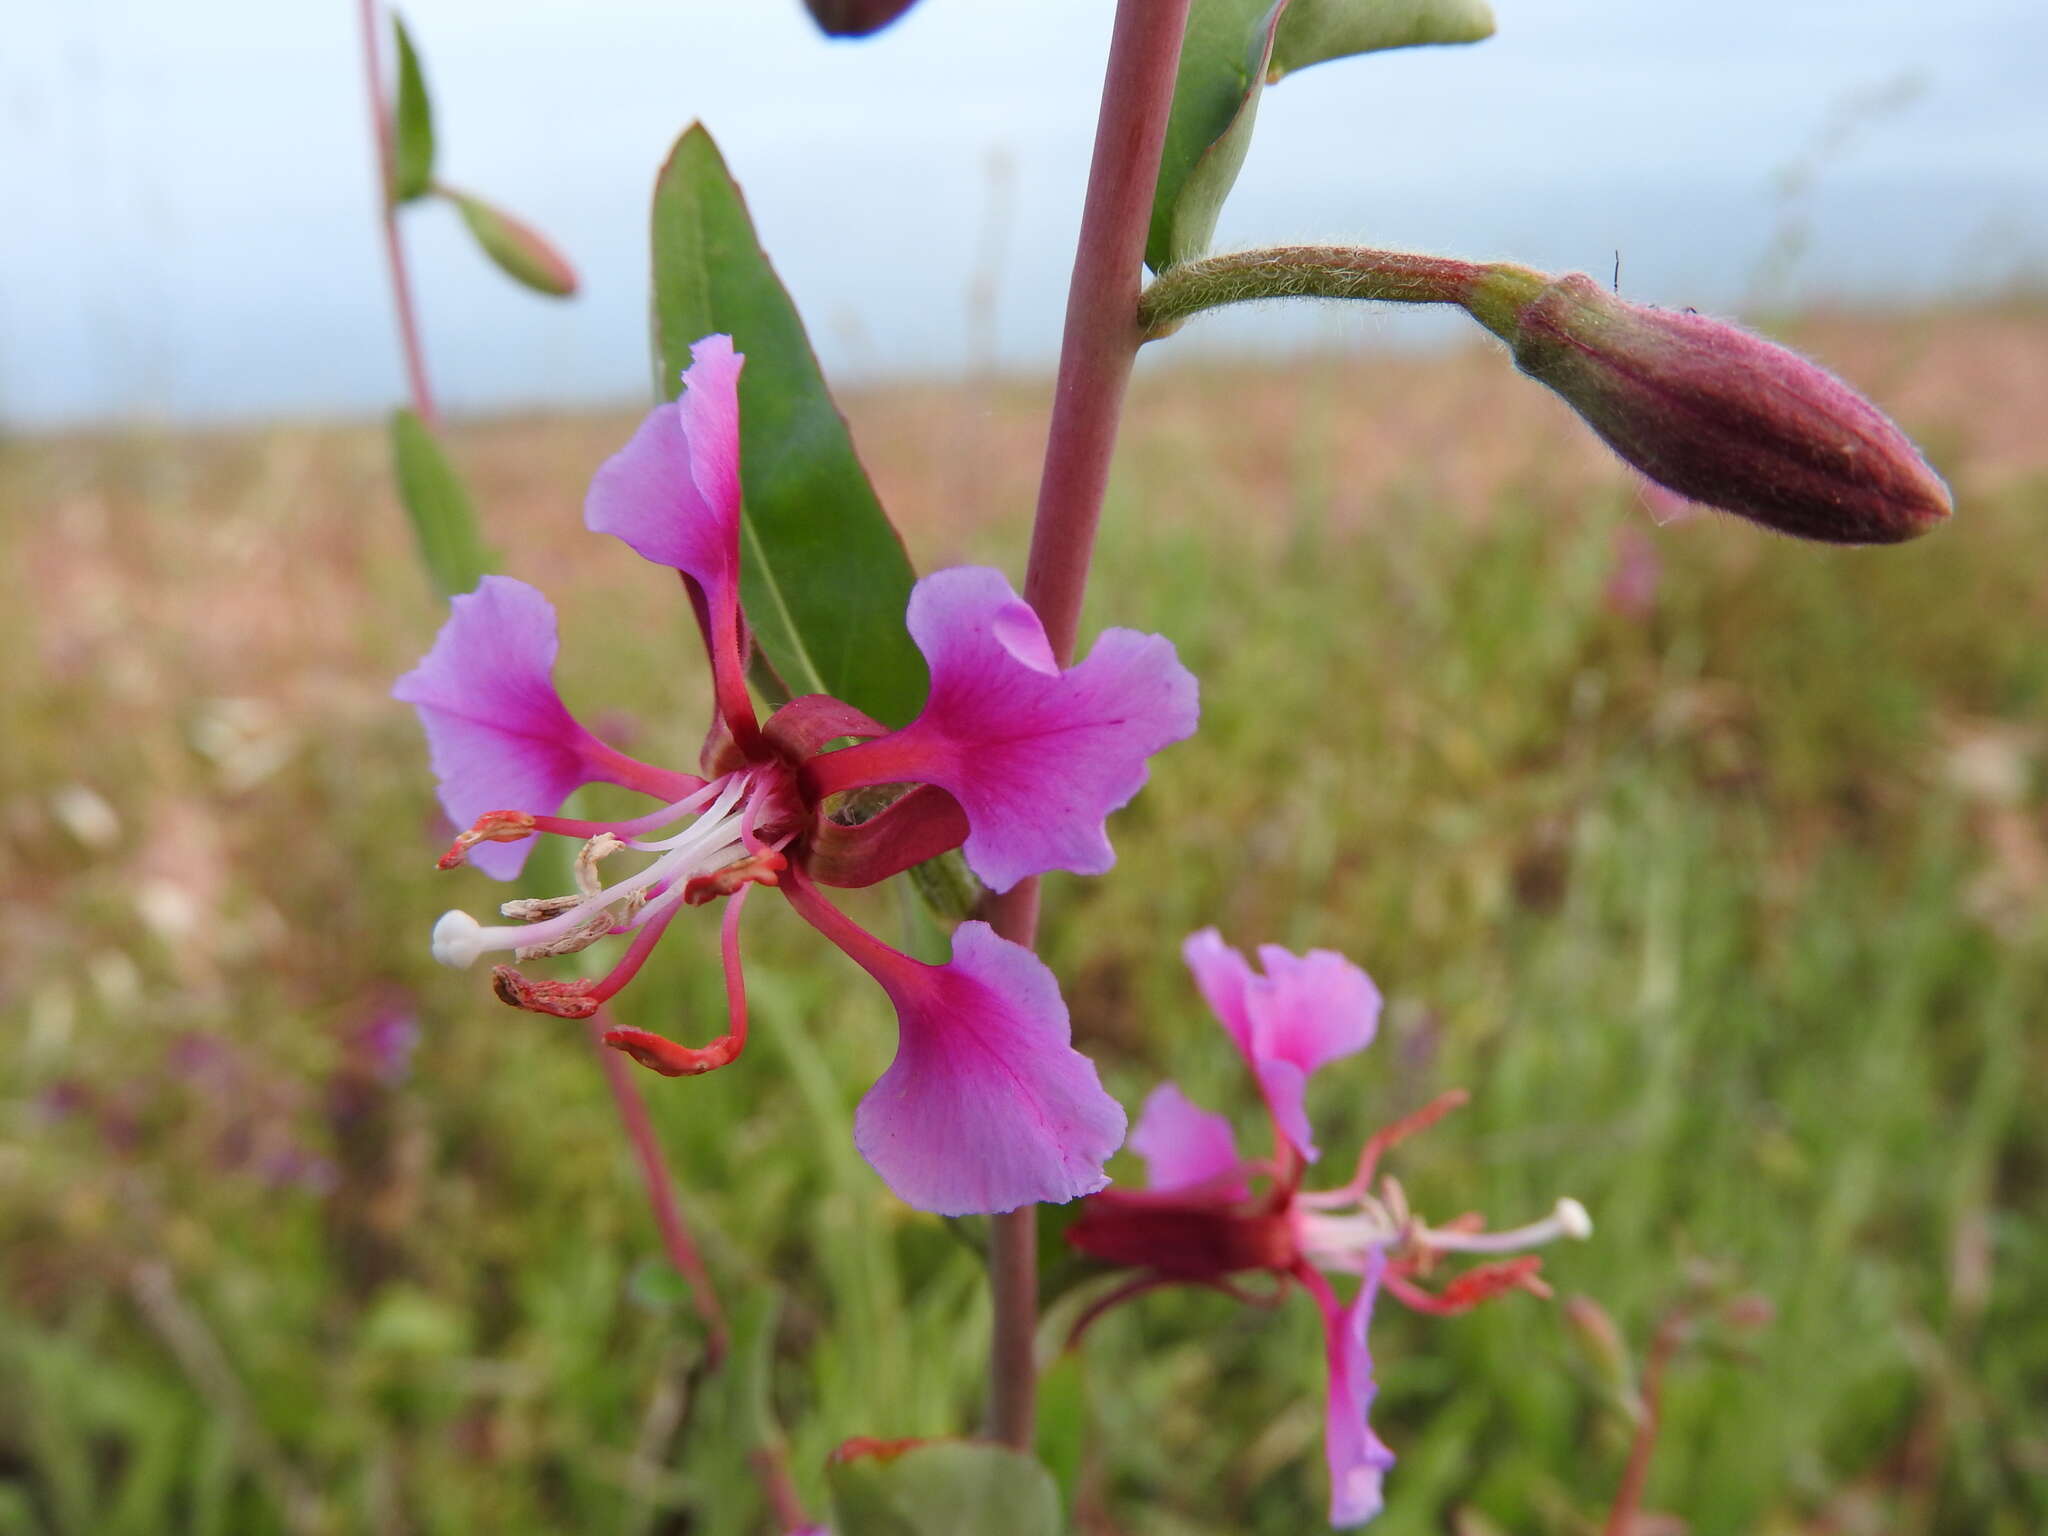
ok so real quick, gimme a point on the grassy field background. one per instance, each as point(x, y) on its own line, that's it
point(1713, 865)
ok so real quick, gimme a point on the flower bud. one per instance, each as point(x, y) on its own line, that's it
point(855, 18)
point(1716, 413)
point(1597, 1337)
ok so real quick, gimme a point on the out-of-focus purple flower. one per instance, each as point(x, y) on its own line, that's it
point(1633, 578)
point(381, 1046)
point(1211, 1215)
point(286, 1165)
point(196, 1055)
point(1019, 763)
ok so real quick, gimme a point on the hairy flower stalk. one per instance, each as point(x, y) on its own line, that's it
point(1216, 1218)
point(1702, 407)
point(1014, 760)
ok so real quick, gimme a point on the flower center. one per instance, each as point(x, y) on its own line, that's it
point(718, 850)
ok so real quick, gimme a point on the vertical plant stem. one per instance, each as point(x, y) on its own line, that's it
point(1635, 1476)
point(1100, 343)
point(661, 1191)
point(370, 14)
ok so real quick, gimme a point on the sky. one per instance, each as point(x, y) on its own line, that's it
point(194, 235)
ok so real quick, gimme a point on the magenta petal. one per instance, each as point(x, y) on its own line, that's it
point(1303, 1013)
point(1306, 1011)
point(1358, 1458)
point(498, 734)
point(1038, 758)
point(1183, 1144)
point(987, 1106)
point(673, 492)
point(1224, 977)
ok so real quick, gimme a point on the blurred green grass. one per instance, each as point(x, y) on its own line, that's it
point(1714, 866)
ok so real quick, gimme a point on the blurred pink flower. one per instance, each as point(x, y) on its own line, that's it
point(1212, 1216)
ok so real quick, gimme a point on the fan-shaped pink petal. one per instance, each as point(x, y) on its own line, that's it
point(1303, 1013)
point(1358, 1458)
point(1037, 758)
point(673, 492)
point(987, 1105)
point(498, 734)
point(1184, 1145)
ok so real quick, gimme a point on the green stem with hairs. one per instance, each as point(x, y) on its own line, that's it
point(1492, 293)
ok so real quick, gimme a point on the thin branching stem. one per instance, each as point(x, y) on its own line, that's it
point(370, 14)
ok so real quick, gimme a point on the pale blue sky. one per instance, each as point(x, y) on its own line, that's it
point(193, 238)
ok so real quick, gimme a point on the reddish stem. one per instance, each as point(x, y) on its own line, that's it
point(1635, 1477)
point(770, 1462)
point(1096, 352)
point(661, 1190)
point(394, 248)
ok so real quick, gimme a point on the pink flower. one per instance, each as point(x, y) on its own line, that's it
point(1212, 1217)
point(987, 1106)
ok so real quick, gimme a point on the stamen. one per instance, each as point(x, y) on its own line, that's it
point(559, 999)
point(491, 827)
point(1469, 1289)
point(708, 844)
point(1386, 1137)
point(660, 1054)
point(764, 868)
point(511, 826)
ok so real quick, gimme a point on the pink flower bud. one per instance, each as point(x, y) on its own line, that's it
point(1716, 413)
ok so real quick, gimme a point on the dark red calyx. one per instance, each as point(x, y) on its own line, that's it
point(1195, 1240)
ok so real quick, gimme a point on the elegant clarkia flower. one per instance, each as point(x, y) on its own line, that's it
point(1213, 1217)
point(986, 1106)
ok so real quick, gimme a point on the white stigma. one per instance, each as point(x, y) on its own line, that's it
point(1341, 1240)
point(1573, 1219)
point(459, 939)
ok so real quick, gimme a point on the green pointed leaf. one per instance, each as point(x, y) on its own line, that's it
point(522, 252)
point(412, 128)
point(1313, 31)
point(824, 575)
point(1234, 48)
point(443, 517)
point(943, 1488)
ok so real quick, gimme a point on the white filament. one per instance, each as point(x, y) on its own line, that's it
point(710, 842)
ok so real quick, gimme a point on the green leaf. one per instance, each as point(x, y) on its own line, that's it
point(522, 252)
point(824, 575)
point(443, 518)
point(1233, 49)
point(1063, 1420)
point(412, 129)
point(1314, 31)
point(944, 1488)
